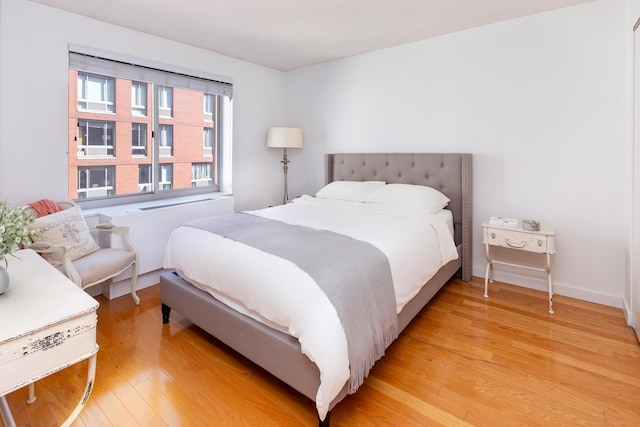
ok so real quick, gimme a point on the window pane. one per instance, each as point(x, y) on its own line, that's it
point(207, 143)
point(208, 107)
point(145, 182)
point(138, 99)
point(165, 140)
point(139, 139)
point(165, 101)
point(166, 176)
point(182, 136)
point(200, 174)
point(95, 138)
point(96, 182)
point(96, 93)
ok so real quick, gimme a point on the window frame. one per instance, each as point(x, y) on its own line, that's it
point(108, 132)
point(222, 89)
point(108, 170)
point(107, 97)
point(136, 128)
point(139, 106)
point(201, 165)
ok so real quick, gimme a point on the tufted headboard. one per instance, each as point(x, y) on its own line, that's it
point(446, 172)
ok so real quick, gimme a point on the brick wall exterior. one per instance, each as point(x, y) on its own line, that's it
point(188, 126)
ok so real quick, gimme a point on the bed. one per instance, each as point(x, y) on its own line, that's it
point(268, 342)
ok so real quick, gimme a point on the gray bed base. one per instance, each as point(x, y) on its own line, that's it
point(279, 353)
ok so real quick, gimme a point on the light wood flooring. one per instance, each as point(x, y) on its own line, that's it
point(465, 360)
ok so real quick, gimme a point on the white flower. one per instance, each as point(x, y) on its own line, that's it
point(14, 229)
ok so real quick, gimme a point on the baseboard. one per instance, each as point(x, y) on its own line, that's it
point(627, 312)
point(123, 287)
point(540, 283)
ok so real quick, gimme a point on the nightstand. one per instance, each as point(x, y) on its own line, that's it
point(541, 242)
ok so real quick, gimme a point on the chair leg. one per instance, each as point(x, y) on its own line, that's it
point(134, 278)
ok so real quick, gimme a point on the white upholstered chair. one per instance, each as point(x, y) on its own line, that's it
point(66, 242)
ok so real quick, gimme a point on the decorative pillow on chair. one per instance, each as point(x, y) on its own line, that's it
point(65, 228)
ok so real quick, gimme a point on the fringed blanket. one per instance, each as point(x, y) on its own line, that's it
point(354, 275)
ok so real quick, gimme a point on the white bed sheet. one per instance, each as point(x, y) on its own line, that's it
point(276, 292)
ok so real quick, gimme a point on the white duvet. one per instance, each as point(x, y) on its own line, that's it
point(278, 293)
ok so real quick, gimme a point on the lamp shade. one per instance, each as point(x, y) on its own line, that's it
point(283, 137)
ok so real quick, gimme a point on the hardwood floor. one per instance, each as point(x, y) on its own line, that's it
point(465, 360)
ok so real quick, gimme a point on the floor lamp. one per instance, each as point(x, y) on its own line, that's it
point(284, 137)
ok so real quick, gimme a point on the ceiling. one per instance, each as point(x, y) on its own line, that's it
point(291, 34)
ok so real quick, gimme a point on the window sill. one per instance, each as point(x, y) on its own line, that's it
point(114, 210)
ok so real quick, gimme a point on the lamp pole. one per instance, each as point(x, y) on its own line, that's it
point(285, 168)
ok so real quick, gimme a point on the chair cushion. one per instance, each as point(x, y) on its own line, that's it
point(103, 264)
point(65, 228)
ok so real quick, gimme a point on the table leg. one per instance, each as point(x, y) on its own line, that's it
point(488, 274)
point(5, 413)
point(32, 393)
point(550, 283)
point(91, 375)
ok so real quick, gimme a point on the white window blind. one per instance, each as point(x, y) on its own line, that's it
point(93, 61)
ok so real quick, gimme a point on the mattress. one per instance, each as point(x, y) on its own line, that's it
point(277, 293)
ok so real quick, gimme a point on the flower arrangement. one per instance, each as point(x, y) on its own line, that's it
point(14, 229)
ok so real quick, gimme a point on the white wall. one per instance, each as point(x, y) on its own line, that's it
point(631, 304)
point(540, 102)
point(34, 43)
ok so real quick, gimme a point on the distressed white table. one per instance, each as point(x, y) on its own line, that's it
point(541, 242)
point(47, 323)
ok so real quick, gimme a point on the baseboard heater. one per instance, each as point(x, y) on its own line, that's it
point(149, 208)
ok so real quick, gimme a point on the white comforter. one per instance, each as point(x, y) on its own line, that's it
point(276, 292)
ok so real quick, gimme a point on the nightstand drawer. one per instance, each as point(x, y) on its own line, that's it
point(514, 239)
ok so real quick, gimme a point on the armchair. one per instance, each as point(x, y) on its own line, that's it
point(66, 242)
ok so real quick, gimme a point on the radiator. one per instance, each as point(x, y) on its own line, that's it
point(149, 229)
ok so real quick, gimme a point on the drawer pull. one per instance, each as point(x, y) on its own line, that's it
point(515, 245)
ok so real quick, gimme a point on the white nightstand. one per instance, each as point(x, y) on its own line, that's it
point(542, 242)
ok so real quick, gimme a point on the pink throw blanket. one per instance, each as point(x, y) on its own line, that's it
point(45, 207)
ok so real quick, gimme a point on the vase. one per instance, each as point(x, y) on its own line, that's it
point(4, 279)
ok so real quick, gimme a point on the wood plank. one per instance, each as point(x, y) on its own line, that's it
point(464, 360)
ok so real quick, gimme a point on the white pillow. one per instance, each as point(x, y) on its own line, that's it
point(407, 196)
point(65, 228)
point(353, 191)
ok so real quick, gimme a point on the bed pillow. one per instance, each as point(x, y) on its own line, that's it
point(65, 228)
point(353, 191)
point(407, 196)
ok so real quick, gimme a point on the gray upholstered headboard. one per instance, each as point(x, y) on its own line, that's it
point(446, 172)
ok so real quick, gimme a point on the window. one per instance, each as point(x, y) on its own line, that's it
point(145, 182)
point(165, 108)
point(138, 99)
point(200, 174)
point(165, 101)
point(96, 182)
point(96, 93)
point(139, 139)
point(165, 139)
point(95, 138)
point(207, 144)
point(166, 176)
point(208, 107)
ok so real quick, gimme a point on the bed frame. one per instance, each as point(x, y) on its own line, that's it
point(279, 353)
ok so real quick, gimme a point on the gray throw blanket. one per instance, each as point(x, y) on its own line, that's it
point(354, 275)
